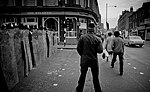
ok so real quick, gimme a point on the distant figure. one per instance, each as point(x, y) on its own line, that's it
point(108, 45)
point(80, 33)
point(118, 49)
point(88, 47)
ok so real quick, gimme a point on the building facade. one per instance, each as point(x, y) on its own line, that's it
point(65, 17)
point(123, 22)
point(140, 22)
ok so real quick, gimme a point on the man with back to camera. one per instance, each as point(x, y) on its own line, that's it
point(118, 49)
point(88, 47)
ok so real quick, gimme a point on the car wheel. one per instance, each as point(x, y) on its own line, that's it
point(128, 44)
point(141, 45)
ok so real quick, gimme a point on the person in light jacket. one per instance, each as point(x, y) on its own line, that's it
point(108, 45)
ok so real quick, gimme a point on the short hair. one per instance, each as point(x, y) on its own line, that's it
point(116, 33)
point(109, 34)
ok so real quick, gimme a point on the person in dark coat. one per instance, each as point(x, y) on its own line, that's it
point(88, 46)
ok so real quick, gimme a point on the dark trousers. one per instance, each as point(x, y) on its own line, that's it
point(95, 74)
point(120, 60)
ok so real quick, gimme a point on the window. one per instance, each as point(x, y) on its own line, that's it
point(71, 30)
point(39, 2)
point(18, 2)
point(78, 2)
point(7, 2)
point(29, 2)
point(50, 2)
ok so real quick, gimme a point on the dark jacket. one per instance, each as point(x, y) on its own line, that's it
point(88, 47)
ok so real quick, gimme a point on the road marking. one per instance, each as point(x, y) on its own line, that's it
point(65, 64)
point(55, 84)
point(134, 67)
point(49, 73)
point(59, 75)
point(63, 69)
point(141, 73)
point(129, 63)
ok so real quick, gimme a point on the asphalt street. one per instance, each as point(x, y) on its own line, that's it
point(60, 73)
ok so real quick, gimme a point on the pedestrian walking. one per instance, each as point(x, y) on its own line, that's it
point(118, 49)
point(88, 47)
point(108, 45)
point(80, 33)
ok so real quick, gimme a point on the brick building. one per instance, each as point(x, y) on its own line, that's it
point(56, 15)
point(123, 21)
point(140, 21)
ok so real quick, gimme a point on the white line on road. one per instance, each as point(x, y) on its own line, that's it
point(129, 63)
point(141, 73)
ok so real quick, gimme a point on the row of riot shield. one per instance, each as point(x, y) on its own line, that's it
point(22, 50)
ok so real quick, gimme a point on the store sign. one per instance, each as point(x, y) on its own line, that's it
point(82, 26)
point(39, 12)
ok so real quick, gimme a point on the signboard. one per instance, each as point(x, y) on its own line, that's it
point(83, 26)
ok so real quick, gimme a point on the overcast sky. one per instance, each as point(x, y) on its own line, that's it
point(114, 12)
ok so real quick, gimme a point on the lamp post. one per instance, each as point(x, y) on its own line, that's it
point(106, 10)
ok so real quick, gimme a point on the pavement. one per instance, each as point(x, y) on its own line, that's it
point(60, 73)
point(147, 43)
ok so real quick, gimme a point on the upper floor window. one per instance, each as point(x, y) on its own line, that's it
point(39, 2)
point(83, 3)
point(51, 2)
point(7, 2)
point(71, 2)
point(18, 2)
point(29, 2)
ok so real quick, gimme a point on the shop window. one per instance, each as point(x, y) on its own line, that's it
point(71, 27)
point(7, 2)
point(83, 25)
point(71, 2)
point(18, 2)
point(31, 20)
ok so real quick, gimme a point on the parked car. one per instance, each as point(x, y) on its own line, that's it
point(134, 40)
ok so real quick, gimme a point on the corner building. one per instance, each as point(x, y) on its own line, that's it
point(65, 17)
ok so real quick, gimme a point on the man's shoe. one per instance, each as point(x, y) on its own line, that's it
point(121, 73)
point(112, 65)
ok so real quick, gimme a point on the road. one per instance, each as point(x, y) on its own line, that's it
point(138, 65)
point(136, 76)
point(60, 73)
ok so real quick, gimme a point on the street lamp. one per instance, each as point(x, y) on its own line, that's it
point(106, 10)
